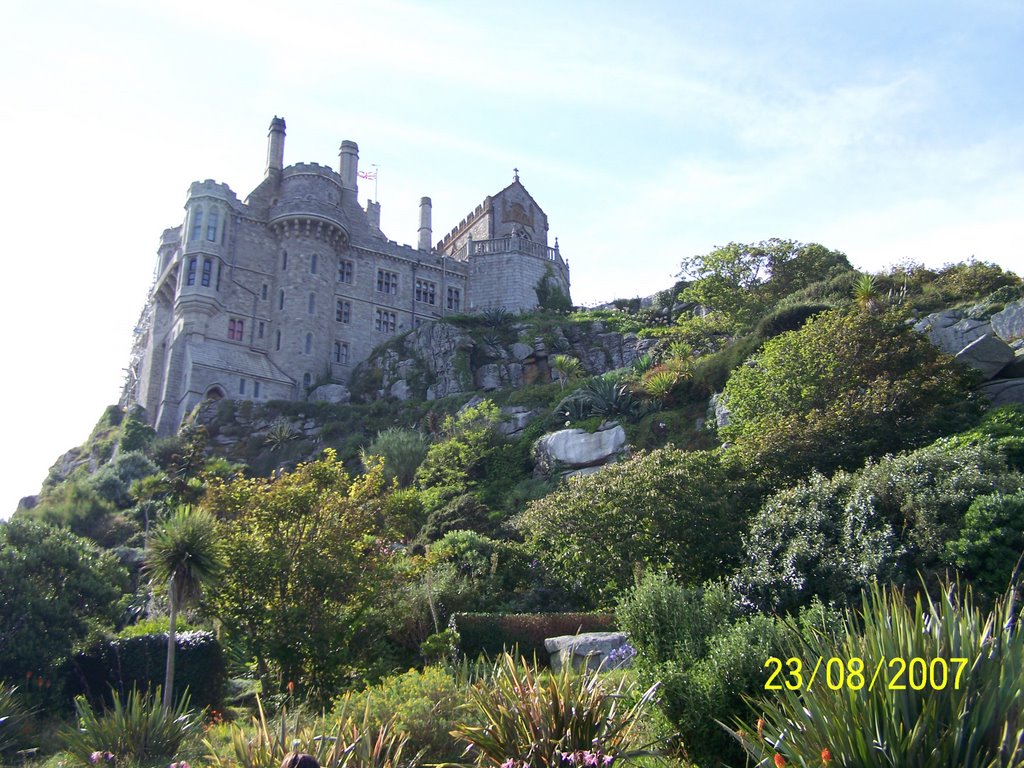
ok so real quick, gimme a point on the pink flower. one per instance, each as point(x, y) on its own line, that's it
point(508, 763)
point(95, 757)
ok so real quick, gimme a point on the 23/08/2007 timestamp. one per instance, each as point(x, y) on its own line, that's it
point(899, 674)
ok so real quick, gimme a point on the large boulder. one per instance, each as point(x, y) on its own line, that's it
point(331, 393)
point(575, 448)
point(987, 354)
point(718, 410)
point(952, 330)
point(588, 650)
point(1009, 324)
point(1004, 391)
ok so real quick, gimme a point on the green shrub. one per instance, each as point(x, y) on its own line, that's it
point(705, 653)
point(493, 633)
point(965, 714)
point(422, 706)
point(136, 731)
point(402, 450)
point(991, 542)
point(538, 720)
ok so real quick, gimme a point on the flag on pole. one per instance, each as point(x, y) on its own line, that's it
point(371, 175)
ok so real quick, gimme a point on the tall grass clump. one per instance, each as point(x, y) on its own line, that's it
point(541, 719)
point(15, 719)
point(935, 712)
point(347, 739)
point(136, 731)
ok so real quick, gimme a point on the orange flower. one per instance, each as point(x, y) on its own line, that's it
point(760, 726)
point(826, 756)
point(291, 687)
point(780, 761)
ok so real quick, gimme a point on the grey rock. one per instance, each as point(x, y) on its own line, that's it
point(401, 390)
point(717, 409)
point(521, 351)
point(488, 377)
point(988, 354)
point(951, 330)
point(576, 448)
point(331, 393)
point(1014, 370)
point(517, 418)
point(1004, 391)
point(1009, 324)
point(588, 650)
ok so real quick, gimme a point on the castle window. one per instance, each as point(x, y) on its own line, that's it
point(241, 386)
point(345, 271)
point(207, 272)
point(284, 260)
point(259, 333)
point(219, 265)
point(277, 342)
point(255, 389)
point(280, 299)
point(341, 352)
point(343, 311)
point(312, 263)
point(211, 225)
point(453, 299)
point(387, 282)
point(384, 321)
point(312, 303)
point(425, 291)
point(309, 343)
point(197, 224)
point(191, 279)
point(307, 380)
point(263, 292)
point(236, 329)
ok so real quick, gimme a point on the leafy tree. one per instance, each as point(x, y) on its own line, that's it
point(665, 510)
point(304, 566)
point(991, 543)
point(844, 387)
point(183, 552)
point(402, 450)
point(55, 588)
point(742, 282)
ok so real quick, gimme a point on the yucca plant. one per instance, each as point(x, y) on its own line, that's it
point(344, 740)
point(537, 719)
point(932, 713)
point(658, 384)
point(865, 293)
point(567, 367)
point(138, 730)
point(15, 718)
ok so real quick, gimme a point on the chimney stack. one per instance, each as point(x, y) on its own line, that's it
point(425, 232)
point(349, 165)
point(275, 146)
point(373, 214)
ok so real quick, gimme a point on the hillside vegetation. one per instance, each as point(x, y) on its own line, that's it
point(798, 461)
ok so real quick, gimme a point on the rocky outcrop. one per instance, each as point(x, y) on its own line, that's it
point(718, 410)
point(588, 650)
point(1004, 391)
point(440, 359)
point(983, 341)
point(330, 393)
point(569, 450)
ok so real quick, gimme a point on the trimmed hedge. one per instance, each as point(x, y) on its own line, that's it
point(139, 662)
point(492, 633)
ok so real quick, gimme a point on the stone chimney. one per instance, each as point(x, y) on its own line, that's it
point(373, 214)
point(349, 170)
point(275, 146)
point(425, 232)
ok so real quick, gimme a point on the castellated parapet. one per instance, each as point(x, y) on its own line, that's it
point(270, 297)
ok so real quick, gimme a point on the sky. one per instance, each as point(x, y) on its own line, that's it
point(648, 132)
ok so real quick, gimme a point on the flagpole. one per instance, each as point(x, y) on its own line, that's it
point(376, 174)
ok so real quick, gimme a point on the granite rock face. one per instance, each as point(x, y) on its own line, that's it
point(1009, 324)
point(573, 449)
point(331, 393)
point(987, 354)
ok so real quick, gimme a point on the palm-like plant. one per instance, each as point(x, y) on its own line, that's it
point(567, 367)
point(183, 552)
point(866, 294)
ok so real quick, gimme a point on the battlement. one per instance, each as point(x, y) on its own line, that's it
point(466, 221)
point(209, 187)
point(316, 169)
point(171, 236)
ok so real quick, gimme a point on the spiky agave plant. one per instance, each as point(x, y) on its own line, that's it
point(926, 682)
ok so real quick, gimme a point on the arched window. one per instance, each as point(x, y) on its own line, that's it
point(284, 260)
point(197, 223)
point(309, 343)
point(312, 263)
point(312, 303)
point(191, 279)
point(211, 225)
point(307, 380)
point(280, 299)
point(277, 343)
point(207, 272)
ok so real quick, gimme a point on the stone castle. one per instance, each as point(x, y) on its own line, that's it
point(290, 289)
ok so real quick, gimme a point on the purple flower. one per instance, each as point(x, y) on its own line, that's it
point(508, 763)
point(609, 759)
point(95, 757)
